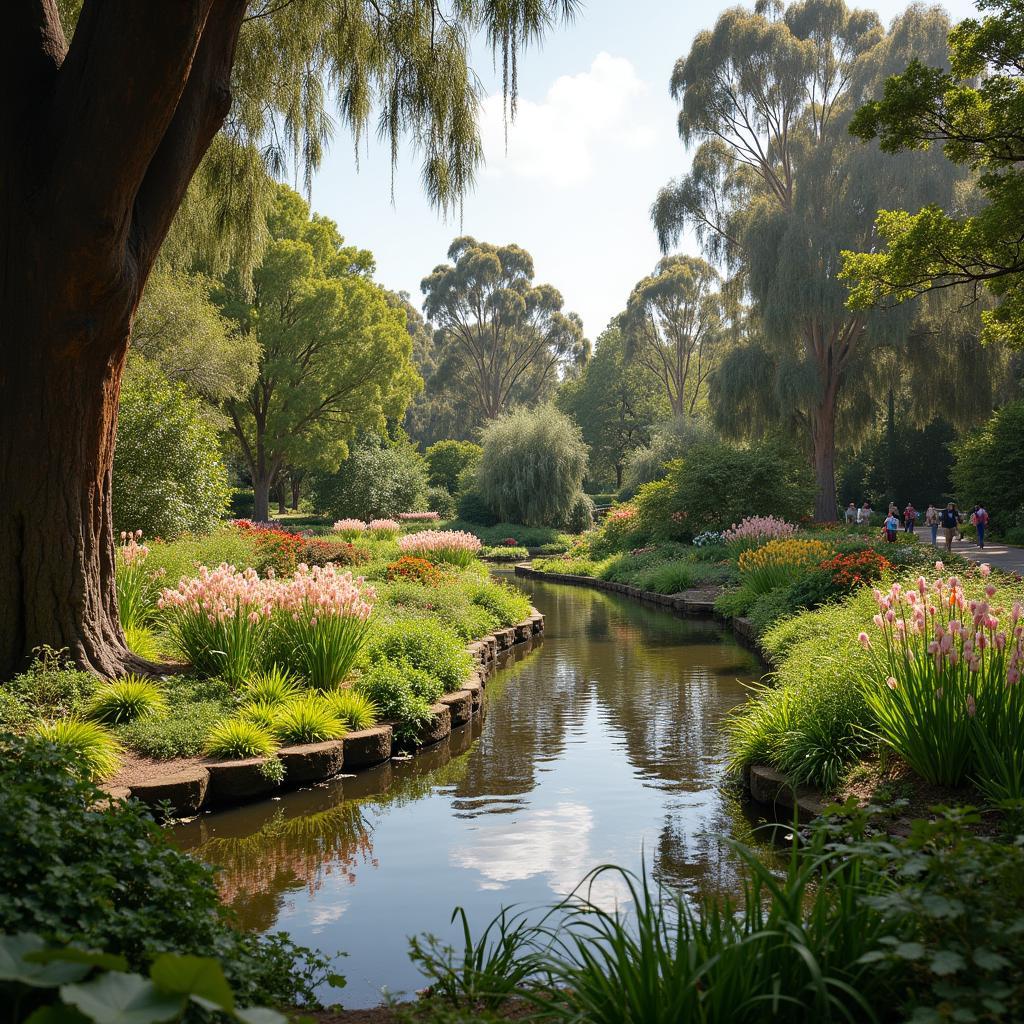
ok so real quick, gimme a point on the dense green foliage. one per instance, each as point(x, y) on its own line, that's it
point(169, 477)
point(377, 480)
point(972, 111)
point(989, 468)
point(532, 466)
point(716, 485)
point(447, 460)
point(77, 870)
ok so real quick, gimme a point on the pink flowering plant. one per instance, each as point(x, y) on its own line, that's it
point(137, 587)
point(755, 530)
point(944, 683)
point(456, 547)
point(384, 529)
point(321, 619)
point(349, 529)
point(419, 517)
point(220, 620)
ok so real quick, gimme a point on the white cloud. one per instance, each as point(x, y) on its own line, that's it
point(558, 140)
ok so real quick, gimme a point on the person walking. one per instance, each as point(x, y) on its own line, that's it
point(909, 518)
point(950, 520)
point(980, 522)
point(851, 514)
point(892, 526)
point(931, 520)
point(864, 514)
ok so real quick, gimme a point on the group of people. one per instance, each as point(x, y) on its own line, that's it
point(950, 519)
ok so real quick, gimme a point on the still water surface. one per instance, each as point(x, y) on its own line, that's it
point(600, 744)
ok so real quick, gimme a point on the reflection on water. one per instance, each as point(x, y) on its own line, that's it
point(600, 744)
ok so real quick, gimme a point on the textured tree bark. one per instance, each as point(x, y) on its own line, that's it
point(823, 430)
point(98, 142)
point(261, 498)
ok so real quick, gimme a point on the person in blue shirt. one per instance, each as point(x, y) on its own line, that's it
point(892, 525)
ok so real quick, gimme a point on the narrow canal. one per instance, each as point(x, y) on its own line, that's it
point(600, 744)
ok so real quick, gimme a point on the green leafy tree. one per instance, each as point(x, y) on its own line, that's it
point(447, 460)
point(972, 111)
point(168, 475)
point(179, 328)
point(778, 188)
point(503, 335)
point(988, 467)
point(532, 466)
point(616, 402)
point(673, 327)
point(379, 479)
point(112, 114)
point(335, 353)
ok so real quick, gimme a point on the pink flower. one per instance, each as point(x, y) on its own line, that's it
point(891, 682)
point(865, 641)
point(939, 566)
point(971, 706)
point(984, 568)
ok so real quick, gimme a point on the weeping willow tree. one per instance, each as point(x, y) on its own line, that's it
point(674, 328)
point(778, 188)
point(111, 109)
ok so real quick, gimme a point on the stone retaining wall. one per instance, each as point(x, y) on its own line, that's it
point(209, 784)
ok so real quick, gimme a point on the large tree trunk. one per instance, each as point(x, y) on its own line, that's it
point(97, 145)
point(296, 482)
point(823, 431)
point(261, 499)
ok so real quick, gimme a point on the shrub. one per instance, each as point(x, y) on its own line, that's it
point(717, 484)
point(124, 700)
point(193, 707)
point(413, 570)
point(308, 720)
point(169, 477)
point(441, 502)
point(274, 548)
point(90, 750)
point(671, 441)
point(179, 559)
point(532, 466)
point(105, 876)
point(580, 516)
point(317, 551)
point(374, 481)
point(277, 685)
point(453, 546)
point(618, 531)
point(320, 623)
point(507, 604)
point(424, 645)
point(353, 709)
point(503, 553)
point(669, 578)
point(779, 563)
point(239, 738)
point(388, 686)
point(848, 571)
point(448, 460)
point(51, 687)
point(474, 508)
point(419, 517)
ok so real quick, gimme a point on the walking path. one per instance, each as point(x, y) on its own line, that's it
point(998, 555)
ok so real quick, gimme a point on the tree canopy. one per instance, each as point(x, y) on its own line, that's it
point(335, 353)
point(505, 336)
point(778, 188)
point(973, 112)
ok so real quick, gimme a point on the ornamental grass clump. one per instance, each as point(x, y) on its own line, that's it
point(309, 719)
point(355, 710)
point(90, 751)
point(349, 529)
point(320, 623)
point(944, 683)
point(419, 517)
point(456, 547)
point(384, 529)
point(220, 620)
point(276, 685)
point(237, 739)
point(754, 530)
point(779, 563)
point(124, 700)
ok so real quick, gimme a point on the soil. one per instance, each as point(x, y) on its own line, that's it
point(135, 768)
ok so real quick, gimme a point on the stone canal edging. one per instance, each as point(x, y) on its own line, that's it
point(216, 784)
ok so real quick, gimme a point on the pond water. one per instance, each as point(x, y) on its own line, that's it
point(601, 743)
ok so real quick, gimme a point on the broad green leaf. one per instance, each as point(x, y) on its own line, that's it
point(69, 954)
point(14, 967)
point(947, 962)
point(259, 1015)
point(116, 998)
point(337, 980)
point(989, 960)
point(909, 950)
point(193, 976)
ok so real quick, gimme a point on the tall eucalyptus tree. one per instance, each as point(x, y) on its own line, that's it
point(507, 336)
point(778, 188)
point(110, 109)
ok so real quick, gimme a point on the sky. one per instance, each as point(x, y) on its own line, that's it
point(593, 142)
